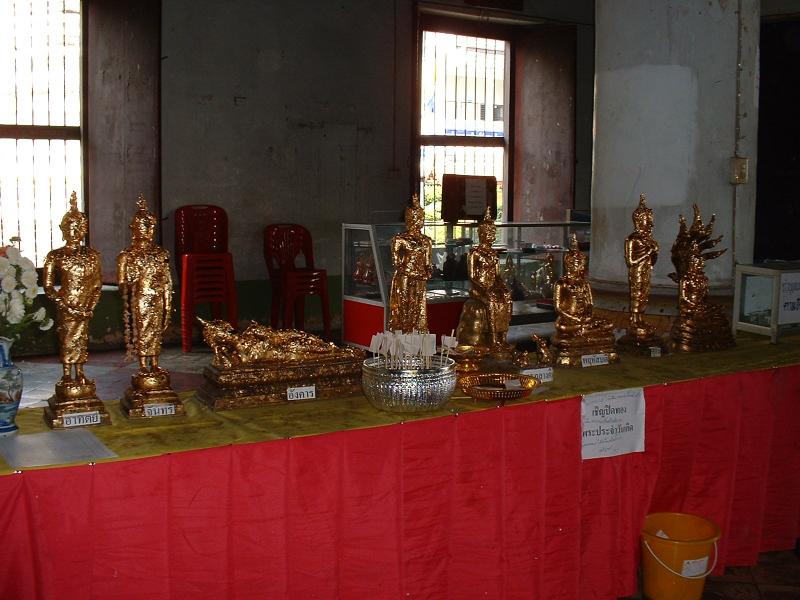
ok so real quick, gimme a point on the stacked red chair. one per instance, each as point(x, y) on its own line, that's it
point(204, 265)
point(284, 244)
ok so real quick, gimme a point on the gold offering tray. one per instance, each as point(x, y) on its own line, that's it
point(491, 387)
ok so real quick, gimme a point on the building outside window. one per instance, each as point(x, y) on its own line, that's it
point(40, 120)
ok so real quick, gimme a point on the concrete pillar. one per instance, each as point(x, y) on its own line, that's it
point(675, 100)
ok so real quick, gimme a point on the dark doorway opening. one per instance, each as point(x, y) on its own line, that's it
point(778, 177)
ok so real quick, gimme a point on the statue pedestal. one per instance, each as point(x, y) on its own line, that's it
point(569, 352)
point(703, 332)
point(270, 382)
point(75, 404)
point(642, 345)
point(150, 395)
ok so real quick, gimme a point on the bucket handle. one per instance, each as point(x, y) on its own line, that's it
point(706, 574)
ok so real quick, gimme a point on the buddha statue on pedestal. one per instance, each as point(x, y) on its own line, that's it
point(486, 316)
point(411, 255)
point(701, 325)
point(578, 331)
point(641, 253)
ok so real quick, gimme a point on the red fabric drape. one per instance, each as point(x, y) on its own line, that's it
point(490, 504)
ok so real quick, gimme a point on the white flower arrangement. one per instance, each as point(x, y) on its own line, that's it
point(18, 289)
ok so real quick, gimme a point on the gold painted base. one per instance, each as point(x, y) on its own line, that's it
point(569, 353)
point(150, 395)
point(630, 344)
point(69, 406)
point(266, 383)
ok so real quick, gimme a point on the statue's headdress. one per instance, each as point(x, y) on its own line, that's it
point(487, 225)
point(73, 215)
point(415, 210)
point(142, 214)
point(642, 210)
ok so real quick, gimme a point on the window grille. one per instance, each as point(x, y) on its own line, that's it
point(40, 117)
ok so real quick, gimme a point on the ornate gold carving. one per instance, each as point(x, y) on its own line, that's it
point(411, 255)
point(578, 331)
point(77, 267)
point(145, 284)
point(258, 365)
point(701, 325)
point(486, 316)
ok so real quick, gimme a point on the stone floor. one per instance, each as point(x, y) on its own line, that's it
point(775, 577)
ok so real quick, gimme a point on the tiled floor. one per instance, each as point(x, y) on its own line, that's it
point(776, 577)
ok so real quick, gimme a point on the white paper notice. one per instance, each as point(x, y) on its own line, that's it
point(789, 309)
point(612, 423)
point(474, 197)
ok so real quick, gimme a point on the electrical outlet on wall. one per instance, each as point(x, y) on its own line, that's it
point(739, 170)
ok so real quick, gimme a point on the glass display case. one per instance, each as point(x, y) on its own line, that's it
point(531, 258)
point(767, 298)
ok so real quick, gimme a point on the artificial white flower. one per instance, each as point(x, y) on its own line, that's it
point(5, 266)
point(31, 293)
point(40, 314)
point(16, 310)
point(46, 325)
point(29, 279)
point(13, 255)
point(8, 284)
point(27, 264)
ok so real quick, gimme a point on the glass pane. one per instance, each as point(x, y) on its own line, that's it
point(40, 62)
point(462, 85)
point(435, 161)
point(36, 180)
point(756, 300)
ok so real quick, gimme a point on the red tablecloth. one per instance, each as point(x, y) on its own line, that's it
point(490, 504)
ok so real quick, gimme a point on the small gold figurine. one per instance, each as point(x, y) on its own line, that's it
point(701, 325)
point(486, 316)
point(262, 365)
point(578, 331)
point(77, 268)
point(411, 255)
point(641, 253)
point(544, 353)
point(145, 284)
point(543, 278)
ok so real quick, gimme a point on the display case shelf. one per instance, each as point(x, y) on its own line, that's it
point(524, 249)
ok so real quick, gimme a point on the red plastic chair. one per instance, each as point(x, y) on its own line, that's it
point(204, 265)
point(283, 244)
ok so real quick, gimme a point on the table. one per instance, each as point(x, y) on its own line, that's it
point(492, 503)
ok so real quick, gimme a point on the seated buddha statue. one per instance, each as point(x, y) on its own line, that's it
point(701, 325)
point(487, 313)
point(578, 331)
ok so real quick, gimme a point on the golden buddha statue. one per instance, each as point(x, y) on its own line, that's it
point(77, 268)
point(145, 285)
point(578, 331)
point(701, 325)
point(411, 255)
point(698, 234)
point(486, 316)
point(641, 253)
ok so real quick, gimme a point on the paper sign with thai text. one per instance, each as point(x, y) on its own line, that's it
point(789, 308)
point(612, 423)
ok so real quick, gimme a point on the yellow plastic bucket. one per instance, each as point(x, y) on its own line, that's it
point(678, 552)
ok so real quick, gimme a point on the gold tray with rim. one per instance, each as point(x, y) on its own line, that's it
point(490, 387)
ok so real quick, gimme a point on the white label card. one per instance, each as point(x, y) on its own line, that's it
point(543, 374)
point(308, 392)
point(655, 352)
point(612, 423)
point(789, 308)
point(474, 196)
point(80, 419)
point(159, 410)
point(694, 567)
point(593, 360)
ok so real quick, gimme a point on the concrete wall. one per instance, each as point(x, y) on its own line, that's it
point(667, 123)
point(294, 112)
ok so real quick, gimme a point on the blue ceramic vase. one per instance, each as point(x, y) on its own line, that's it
point(10, 388)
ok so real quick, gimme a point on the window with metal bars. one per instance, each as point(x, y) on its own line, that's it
point(459, 77)
point(40, 120)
